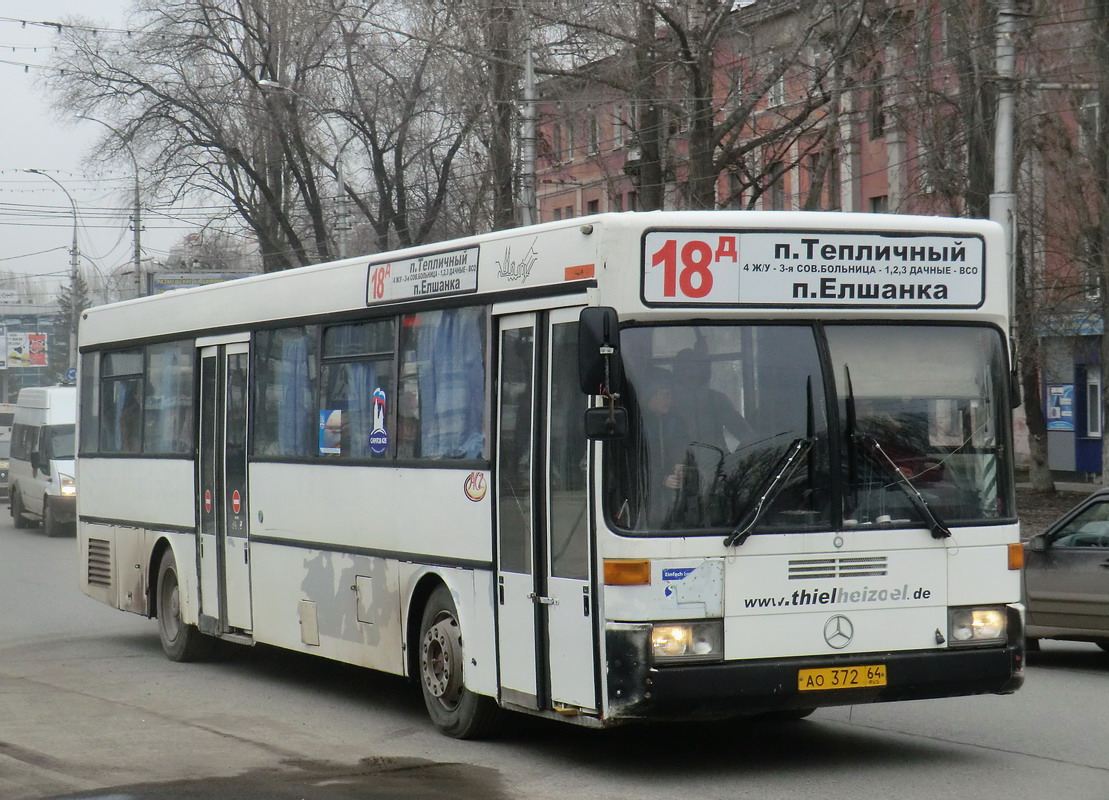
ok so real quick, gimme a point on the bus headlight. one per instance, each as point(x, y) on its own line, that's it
point(674, 642)
point(977, 625)
point(68, 486)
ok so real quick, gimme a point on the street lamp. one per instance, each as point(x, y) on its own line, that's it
point(341, 200)
point(74, 262)
point(137, 255)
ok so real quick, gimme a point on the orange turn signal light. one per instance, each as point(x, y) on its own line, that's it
point(627, 572)
point(1016, 555)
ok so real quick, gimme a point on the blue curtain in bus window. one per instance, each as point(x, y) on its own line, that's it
point(168, 406)
point(350, 389)
point(296, 396)
point(452, 384)
point(122, 412)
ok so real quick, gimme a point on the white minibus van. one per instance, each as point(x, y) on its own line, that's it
point(41, 472)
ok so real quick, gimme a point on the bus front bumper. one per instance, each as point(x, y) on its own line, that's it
point(738, 688)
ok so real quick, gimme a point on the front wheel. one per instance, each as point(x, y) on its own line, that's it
point(453, 709)
point(50, 523)
point(180, 641)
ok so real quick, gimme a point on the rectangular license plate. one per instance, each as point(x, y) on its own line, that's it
point(841, 678)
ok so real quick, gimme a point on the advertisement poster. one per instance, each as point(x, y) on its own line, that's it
point(27, 350)
point(1060, 406)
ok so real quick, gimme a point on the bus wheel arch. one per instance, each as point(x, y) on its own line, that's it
point(180, 640)
point(16, 507)
point(436, 662)
point(156, 553)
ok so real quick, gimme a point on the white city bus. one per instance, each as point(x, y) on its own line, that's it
point(638, 466)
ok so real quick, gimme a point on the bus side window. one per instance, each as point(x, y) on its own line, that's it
point(286, 420)
point(443, 387)
point(121, 390)
point(358, 388)
point(168, 404)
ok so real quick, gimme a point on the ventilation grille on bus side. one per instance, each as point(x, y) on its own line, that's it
point(839, 567)
point(100, 562)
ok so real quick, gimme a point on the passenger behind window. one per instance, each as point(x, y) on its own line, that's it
point(711, 413)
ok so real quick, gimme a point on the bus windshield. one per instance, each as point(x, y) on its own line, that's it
point(732, 427)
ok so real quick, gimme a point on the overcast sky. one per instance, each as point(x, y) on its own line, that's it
point(36, 218)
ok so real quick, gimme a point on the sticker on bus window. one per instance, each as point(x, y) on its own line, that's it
point(379, 437)
point(331, 431)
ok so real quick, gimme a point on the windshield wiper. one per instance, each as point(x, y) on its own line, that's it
point(935, 524)
point(788, 462)
point(781, 473)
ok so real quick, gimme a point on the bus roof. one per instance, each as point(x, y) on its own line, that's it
point(561, 257)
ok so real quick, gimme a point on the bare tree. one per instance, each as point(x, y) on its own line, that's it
point(262, 101)
point(717, 90)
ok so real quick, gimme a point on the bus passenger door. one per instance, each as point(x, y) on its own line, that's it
point(222, 504)
point(517, 615)
point(569, 592)
point(546, 647)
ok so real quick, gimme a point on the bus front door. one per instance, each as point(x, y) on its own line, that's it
point(545, 579)
point(222, 500)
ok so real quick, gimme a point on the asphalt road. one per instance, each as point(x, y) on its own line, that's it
point(90, 708)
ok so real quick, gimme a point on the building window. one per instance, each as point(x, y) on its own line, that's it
point(633, 201)
point(880, 204)
point(777, 177)
point(594, 135)
point(1089, 255)
point(877, 110)
point(1093, 402)
point(1089, 122)
point(926, 184)
point(617, 127)
point(593, 207)
point(556, 142)
point(778, 91)
point(569, 142)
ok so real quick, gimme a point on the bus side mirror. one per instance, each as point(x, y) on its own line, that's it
point(599, 351)
point(602, 424)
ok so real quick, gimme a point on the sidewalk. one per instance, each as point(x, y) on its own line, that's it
point(1077, 487)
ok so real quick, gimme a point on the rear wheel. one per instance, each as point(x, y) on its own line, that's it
point(180, 641)
point(453, 709)
point(20, 519)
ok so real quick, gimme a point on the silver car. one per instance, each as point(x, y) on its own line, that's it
point(1066, 576)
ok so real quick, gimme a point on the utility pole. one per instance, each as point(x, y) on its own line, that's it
point(529, 213)
point(1101, 181)
point(1002, 200)
point(136, 218)
point(74, 264)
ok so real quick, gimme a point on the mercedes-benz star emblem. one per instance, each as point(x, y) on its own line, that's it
point(838, 631)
